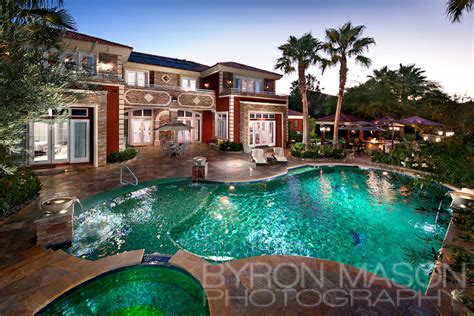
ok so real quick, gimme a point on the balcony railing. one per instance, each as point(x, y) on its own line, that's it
point(165, 87)
point(238, 91)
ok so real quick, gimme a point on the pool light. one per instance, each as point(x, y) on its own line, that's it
point(231, 187)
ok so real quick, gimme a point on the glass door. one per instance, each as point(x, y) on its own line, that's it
point(142, 131)
point(80, 141)
point(50, 142)
point(41, 143)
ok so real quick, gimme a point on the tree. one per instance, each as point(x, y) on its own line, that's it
point(298, 54)
point(29, 83)
point(456, 8)
point(341, 44)
point(314, 95)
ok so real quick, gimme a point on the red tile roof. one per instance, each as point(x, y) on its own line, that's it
point(295, 113)
point(87, 38)
point(233, 64)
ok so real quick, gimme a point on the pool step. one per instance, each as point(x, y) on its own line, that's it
point(156, 258)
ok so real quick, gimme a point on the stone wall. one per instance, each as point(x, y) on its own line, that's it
point(244, 120)
point(166, 79)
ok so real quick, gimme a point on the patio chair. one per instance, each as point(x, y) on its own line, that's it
point(279, 154)
point(181, 150)
point(166, 148)
point(259, 157)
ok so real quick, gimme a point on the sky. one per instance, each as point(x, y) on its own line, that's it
point(250, 31)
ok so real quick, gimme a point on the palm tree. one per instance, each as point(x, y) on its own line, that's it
point(455, 9)
point(341, 44)
point(410, 83)
point(41, 22)
point(297, 55)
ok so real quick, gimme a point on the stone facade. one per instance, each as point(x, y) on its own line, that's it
point(55, 229)
point(147, 97)
point(166, 79)
point(269, 85)
point(151, 97)
point(97, 100)
point(245, 109)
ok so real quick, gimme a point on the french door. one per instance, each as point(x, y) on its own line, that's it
point(80, 140)
point(192, 119)
point(50, 142)
point(142, 131)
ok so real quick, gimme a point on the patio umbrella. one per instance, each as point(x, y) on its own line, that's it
point(417, 120)
point(362, 126)
point(174, 126)
point(392, 125)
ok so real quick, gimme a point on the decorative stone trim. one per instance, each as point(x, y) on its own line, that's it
point(196, 99)
point(147, 97)
point(231, 118)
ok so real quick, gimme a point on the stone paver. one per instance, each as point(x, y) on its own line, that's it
point(294, 285)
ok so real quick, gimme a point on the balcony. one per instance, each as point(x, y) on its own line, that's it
point(261, 94)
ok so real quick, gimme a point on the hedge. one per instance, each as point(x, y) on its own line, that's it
point(17, 188)
point(231, 146)
point(121, 156)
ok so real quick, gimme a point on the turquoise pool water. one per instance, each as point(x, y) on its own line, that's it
point(365, 218)
point(138, 290)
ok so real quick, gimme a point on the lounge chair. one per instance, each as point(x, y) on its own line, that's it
point(259, 157)
point(279, 154)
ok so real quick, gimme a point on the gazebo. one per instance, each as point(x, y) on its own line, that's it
point(344, 120)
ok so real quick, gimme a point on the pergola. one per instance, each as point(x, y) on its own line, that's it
point(344, 120)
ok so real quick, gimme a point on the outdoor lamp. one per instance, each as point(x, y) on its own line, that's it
point(440, 133)
point(206, 85)
point(425, 138)
point(105, 66)
point(449, 134)
point(437, 139)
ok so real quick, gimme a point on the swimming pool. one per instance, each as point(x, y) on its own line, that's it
point(361, 217)
point(137, 290)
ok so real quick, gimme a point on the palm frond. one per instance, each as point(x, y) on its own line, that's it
point(456, 8)
point(363, 61)
point(52, 17)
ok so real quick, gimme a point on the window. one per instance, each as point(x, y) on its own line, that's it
point(80, 61)
point(79, 112)
point(248, 84)
point(147, 112)
point(136, 78)
point(188, 84)
point(221, 124)
point(261, 129)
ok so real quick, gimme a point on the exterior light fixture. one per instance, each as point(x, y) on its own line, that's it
point(229, 81)
point(324, 128)
point(449, 134)
point(440, 133)
point(50, 112)
point(174, 99)
point(206, 85)
point(425, 138)
point(105, 67)
point(438, 139)
point(231, 187)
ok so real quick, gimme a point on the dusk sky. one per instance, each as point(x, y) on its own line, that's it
point(249, 32)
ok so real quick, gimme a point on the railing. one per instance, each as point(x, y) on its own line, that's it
point(124, 182)
point(242, 92)
point(165, 87)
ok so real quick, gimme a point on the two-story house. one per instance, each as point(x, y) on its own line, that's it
point(138, 92)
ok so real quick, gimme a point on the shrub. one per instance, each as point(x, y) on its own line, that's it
point(17, 188)
point(231, 146)
point(121, 156)
point(317, 151)
point(294, 136)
